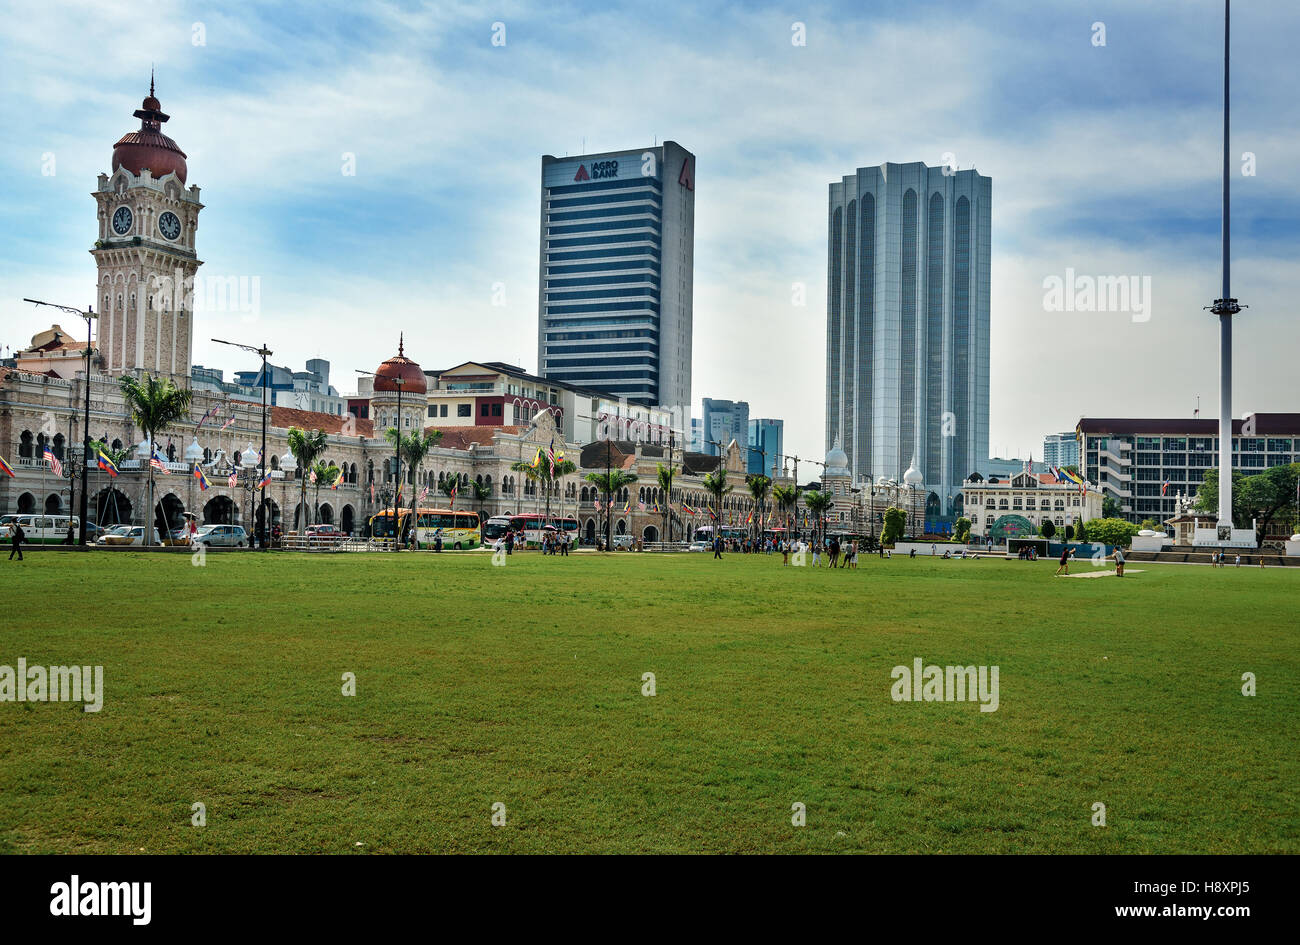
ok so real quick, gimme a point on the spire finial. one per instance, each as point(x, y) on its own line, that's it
point(151, 95)
point(401, 341)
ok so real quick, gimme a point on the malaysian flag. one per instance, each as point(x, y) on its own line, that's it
point(234, 478)
point(157, 463)
point(228, 422)
point(550, 458)
point(311, 476)
point(53, 461)
point(424, 494)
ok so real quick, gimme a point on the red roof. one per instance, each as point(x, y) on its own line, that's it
point(1266, 424)
point(460, 438)
point(149, 147)
point(400, 366)
point(285, 417)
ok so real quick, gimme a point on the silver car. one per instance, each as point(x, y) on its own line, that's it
point(222, 536)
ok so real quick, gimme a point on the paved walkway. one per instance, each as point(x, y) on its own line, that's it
point(1102, 573)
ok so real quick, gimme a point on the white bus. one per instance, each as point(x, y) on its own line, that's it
point(41, 529)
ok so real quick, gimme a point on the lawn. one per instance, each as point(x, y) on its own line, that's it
point(522, 685)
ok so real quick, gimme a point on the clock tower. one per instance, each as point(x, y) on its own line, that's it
point(145, 252)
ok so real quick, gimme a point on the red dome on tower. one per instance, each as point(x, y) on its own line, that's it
point(149, 147)
point(413, 380)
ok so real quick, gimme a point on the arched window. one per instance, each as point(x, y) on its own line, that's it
point(25, 445)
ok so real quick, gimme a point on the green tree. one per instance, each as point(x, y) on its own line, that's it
point(666, 475)
point(306, 447)
point(1149, 523)
point(759, 487)
point(1080, 530)
point(895, 523)
point(1111, 531)
point(540, 472)
point(1069, 533)
point(787, 498)
point(414, 447)
point(715, 484)
point(1047, 529)
point(482, 492)
point(610, 483)
point(1263, 497)
point(1110, 508)
point(818, 501)
point(961, 530)
point(326, 473)
point(155, 403)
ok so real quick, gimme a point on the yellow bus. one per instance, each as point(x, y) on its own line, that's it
point(459, 529)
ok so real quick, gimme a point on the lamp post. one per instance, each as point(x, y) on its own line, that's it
point(397, 456)
point(89, 315)
point(264, 353)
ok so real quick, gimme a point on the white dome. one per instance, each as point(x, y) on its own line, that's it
point(1295, 537)
point(288, 462)
point(194, 452)
point(142, 450)
point(837, 461)
point(913, 475)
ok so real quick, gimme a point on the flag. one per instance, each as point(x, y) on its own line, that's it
point(424, 494)
point(372, 492)
point(550, 458)
point(203, 480)
point(537, 460)
point(228, 422)
point(1164, 488)
point(157, 463)
point(265, 480)
point(337, 479)
point(713, 515)
point(53, 461)
point(6, 468)
point(311, 476)
point(750, 520)
point(106, 464)
point(234, 478)
point(641, 506)
point(212, 412)
point(627, 507)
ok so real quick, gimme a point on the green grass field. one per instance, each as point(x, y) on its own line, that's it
point(523, 685)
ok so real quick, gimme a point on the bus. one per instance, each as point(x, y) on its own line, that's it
point(531, 524)
point(729, 533)
point(459, 529)
point(495, 527)
point(40, 529)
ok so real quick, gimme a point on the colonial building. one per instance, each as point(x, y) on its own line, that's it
point(1018, 506)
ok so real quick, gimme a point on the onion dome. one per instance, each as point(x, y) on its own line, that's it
point(913, 475)
point(401, 371)
point(149, 147)
point(837, 461)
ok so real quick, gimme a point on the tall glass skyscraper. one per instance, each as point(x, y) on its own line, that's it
point(907, 324)
point(617, 266)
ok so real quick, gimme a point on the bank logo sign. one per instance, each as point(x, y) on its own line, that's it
point(600, 170)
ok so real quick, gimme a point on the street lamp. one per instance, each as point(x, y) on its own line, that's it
point(89, 315)
point(397, 457)
point(264, 353)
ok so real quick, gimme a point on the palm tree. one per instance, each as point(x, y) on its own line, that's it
point(448, 488)
point(610, 483)
point(666, 475)
point(818, 503)
point(787, 497)
point(326, 473)
point(306, 447)
point(759, 486)
point(414, 447)
point(540, 472)
point(155, 403)
point(482, 492)
point(715, 483)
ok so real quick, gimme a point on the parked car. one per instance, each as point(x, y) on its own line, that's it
point(330, 532)
point(622, 541)
point(127, 535)
point(40, 529)
point(699, 546)
point(222, 536)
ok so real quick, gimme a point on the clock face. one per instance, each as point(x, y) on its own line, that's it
point(122, 221)
point(169, 225)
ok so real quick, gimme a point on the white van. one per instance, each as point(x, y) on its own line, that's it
point(41, 529)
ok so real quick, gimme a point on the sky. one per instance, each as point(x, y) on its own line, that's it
point(1105, 160)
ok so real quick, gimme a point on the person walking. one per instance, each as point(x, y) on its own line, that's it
point(1066, 553)
point(17, 536)
point(1119, 562)
point(717, 548)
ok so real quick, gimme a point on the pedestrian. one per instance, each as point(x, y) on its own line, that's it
point(1238, 560)
point(510, 543)
point(785, 551)
point(1066, 552)
point(817, 553)
point(17, 536)
point(717, 548)
point(1119, 562)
